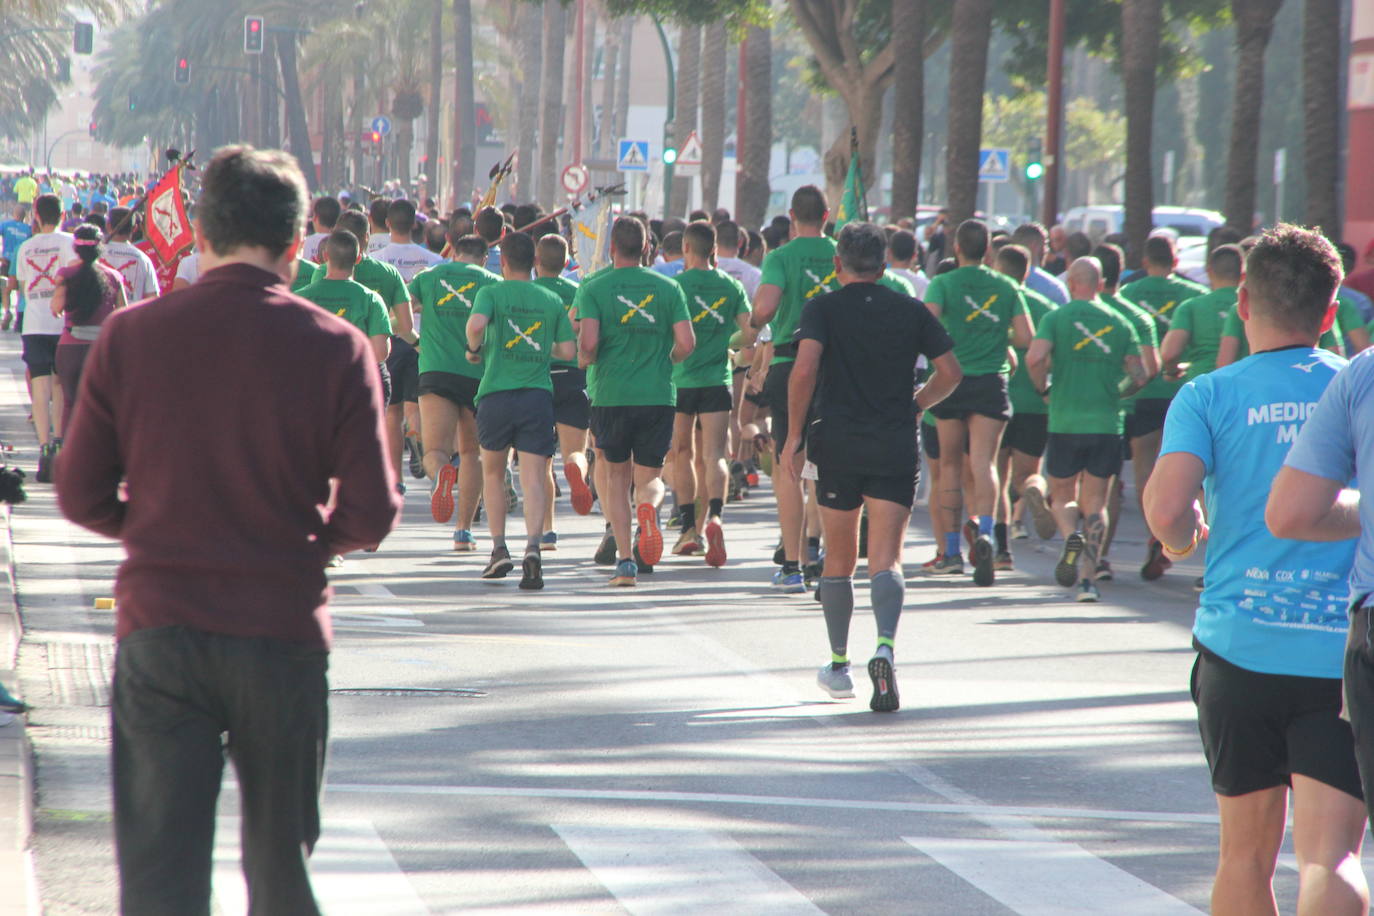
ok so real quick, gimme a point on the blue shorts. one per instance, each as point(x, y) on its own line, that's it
point(522, 418)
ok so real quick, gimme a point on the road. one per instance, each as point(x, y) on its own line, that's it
point(664, 749)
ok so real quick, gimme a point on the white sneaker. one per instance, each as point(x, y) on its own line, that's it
point(836, 681)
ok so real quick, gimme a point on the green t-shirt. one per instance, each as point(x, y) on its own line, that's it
point(1203, 317)
point(1333, 338)
point(566, 290)
point(1144, 326)
point(636, 309)
point(352, 302)
point(803, 269)
point(378, 276)
point(1160, 296)
point(524, 321)
point(714, 300)
point(1090, 343)
point(305, 275)
point(1024, 398)
point(977, 305)
point(897, 284)
point(446, 293)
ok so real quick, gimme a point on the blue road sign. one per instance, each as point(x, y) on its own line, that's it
point(633, 156)
point(994, 164)
point(382, 125)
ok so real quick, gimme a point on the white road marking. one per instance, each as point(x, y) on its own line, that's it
point(352, 872)
point(668, 872)
point(372, 590)
point(1049, 879)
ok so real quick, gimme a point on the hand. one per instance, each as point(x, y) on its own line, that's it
point(474, 357)
point(1200, 534)
point(789, 464)
point(753, 382)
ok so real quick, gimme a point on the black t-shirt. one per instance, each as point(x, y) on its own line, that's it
point(865, 416)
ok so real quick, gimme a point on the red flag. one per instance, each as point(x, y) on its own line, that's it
point(167, 226)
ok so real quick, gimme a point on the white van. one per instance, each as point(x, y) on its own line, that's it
point(1102, 220)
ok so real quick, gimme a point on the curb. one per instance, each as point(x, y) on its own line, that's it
point(16, 756)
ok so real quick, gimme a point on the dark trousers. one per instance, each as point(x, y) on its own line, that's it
point(71, 359)
point(1359, 694)
point(176, 692)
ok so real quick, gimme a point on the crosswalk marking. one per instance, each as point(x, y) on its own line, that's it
point(352, 872)
point(1049, 879)
point(660, 872)
point(373, 590)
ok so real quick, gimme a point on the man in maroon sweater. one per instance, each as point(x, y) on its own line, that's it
point(230, 409)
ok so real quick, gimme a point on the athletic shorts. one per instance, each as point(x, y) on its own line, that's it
point(404, 366)
point(1026, 433)
point(1148, 417)
point(1067, 454)
point(756, 398)
point(1259, 729)
point(386, 382)
point(642, 433)
point(460, 389)
point(775, 396)
point(710, 399)
point(985, 395)
point(838, 488)
point(40, 353)
point(930, 441)
point(570, 404)
point(522, 418)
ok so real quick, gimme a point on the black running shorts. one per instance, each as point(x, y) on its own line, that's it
point(838, 488)
point(460, 389)
point(1148, 417)
point(985, 395)
point(1068, 454)
point(775, 396)
point(1259, 729)
point(404, 366)
point(522, 418)
point(930, 441)
point(643, 433)
point(570, 404)
point(40, 354)
point(710, 399)
point(1026, 433)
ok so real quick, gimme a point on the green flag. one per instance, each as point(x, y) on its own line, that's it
point(854, 201)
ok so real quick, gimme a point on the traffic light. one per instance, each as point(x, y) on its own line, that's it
point(669, 155)
point(375, 137)
point(182, 74)
point(83, 38)
point(252, 34)
point(1035, 169)
point(92, 130)
point(133, 101)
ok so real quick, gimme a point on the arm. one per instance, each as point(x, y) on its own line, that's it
point(476, 330)
point(1170, 501)
point(801, 387)
point(381, 346)
point(1038, 363)
point(765, 304)
point(1359, 339)
point(588, 339)
point(1022, 331)
point(747, 333)
point(1227, 350)
point(1136, 376)
point(1175, 343)
point(59, 299)
point(566, 349)
point(684, 340)
point(403, 324)
point(88, 482)
point(1149, 359)
point(120, 299)
point(1306, 507)
point(948, 375)
point(1013, 360)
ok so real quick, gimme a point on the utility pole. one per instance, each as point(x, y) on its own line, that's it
point(1054, 119)
point(580, 75)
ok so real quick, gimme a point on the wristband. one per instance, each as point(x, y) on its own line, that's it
point(1186, 550)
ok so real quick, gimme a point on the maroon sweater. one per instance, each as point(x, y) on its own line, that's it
point(227, 407)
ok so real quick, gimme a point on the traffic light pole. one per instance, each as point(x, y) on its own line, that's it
point(672, 111)
point(246, 72)
point(1054, 120)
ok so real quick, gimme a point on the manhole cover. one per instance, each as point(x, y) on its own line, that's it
point(464, 692)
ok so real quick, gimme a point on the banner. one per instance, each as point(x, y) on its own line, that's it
point(166, 225)
point(854, 201)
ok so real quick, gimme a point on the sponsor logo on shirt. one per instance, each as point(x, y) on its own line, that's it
point(1092, 337)
point(1254, 572)
point(637, 307)
point(709, 310)
point(982, 309)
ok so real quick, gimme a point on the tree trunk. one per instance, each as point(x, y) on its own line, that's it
point(751, 196)
point(531, 36)
point(436, 98)
point(1142, 20)
point(359, 110)
point(405, 144)
point(610, 77)
point(295, 109)
point(864, 105)
point(713, 48)
point(685, 109)
point(1254, 23)
point(1321, 112)
point(588, 72)
point(970, 32)
point(551, 99)
point(270, 128)
point(622, 88)
point(465, 104)
point(908, 126)
point(329, 141)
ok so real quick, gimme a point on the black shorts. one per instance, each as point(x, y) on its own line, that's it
point(842, 489)
point(1259, 729)
point(775, 396)
point(1066, 454)
point(522, 418)
point(642, 433)
point(570, 404)
point(1148, 417)
point(1026, 433)
point(930, 441)
point(710, 399)
point(40, 353)
point(756, 398)
point(985, 395)
point(386, 382)
point(404, 366)
point(460, 389)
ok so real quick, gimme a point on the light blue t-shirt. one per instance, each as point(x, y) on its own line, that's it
point(1338, 443)
point(671, 268)
point(1048, 285)
point(13, 233)
point(1270, 605)
point(1360, 301)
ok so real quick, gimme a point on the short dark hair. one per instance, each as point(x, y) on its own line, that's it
point(121, 222)
point(672, 242)
point(1225, 262)
point(1291, 277)
point(627, 237)
point(1110, 257)
point(1014, 260)
point(326, 211)
point(473, 247)
point(699, 238)
point(400, 216)
point(517, 250)
point(809, 205)
point(972, 239)
point(341, 249)
point(729, 236)
point(48, 209)
point(1031, 236)
point(1347, 253)
point(377, 210)
point(489, 224)
point(862, 248)
point(698, 216)
point(251, 197)
point(525, 214)
point(355, 222)
point(552, 253)
point(902, 244)
point(1222, 235)
point(1078, 245)
point(1160, 251)
point(945, 266)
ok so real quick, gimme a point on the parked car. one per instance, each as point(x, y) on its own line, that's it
point(1099, 221)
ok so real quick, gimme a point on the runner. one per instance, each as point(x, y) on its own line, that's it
point(719, 307)
point(1190, 346)
point(87, 293)
point(135, 268)
point(13, 233)
point(517, 327)
point(904, 256)
point(1033, 237)
point(1270, 629)
point(379, 236)
point(490, 225)
point(341, 295)
point(324, 215)
point(1096, 363)
point(632, 327)
point(983, 312)
point(863, 441)
point(729, 240)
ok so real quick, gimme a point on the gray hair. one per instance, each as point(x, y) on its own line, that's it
point(862, 248)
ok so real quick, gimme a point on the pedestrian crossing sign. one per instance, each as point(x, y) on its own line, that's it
point(994, 164)
point(633, 156)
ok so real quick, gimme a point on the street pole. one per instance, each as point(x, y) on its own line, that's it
point(741, 123)
point(579, 68)
point(671, 113)
point(1054, 119)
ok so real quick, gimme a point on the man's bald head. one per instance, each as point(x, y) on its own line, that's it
point(1084, 278)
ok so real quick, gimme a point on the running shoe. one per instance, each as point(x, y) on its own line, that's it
point(625, 573)
point(5, 321)
point(751, 476)
point(649, 540)
point(46, 454)
point(688, 543)
point(10, 703)
point(928, 567)
point(836, 681)
point(715, 543)
point(1041, 515)
point(417, 457)
point(1103, 573)
point(335, 561)
point(970, 531)
point(512, 497)
point(1155, 562)
point(1066, 570)
point(463, 542)
point(863, 536)
point(499, 565)
point(1087, 592)
point(811, 574)
point(983, 573)
point(948, 566)
point(1018, 531)
point(789, 583)
point(884, 676)
point(441, 497)
point(577, 487)
point(549, 541)
point(674, 519)
point(644, 568)
point(1003, 561)
point(1198, 584)
point(400, 488)
point(531, 572)
point(779, 555)
point(605, 551)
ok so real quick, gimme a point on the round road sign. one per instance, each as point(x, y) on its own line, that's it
point(382, 125)
point(575, 178)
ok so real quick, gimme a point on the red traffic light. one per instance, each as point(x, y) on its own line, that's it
point(252, 34)
point(182, 74)
point(376, 136)
point(255, 25)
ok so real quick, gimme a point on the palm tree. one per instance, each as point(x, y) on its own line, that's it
point(531, 31)
point(436, 95)
point(970, 32)
point(610, 77)
point(908, 36)
point(465, 114)
point(1143, 21)
point(551, 99)
point(751, 197)
point(1254, 21)
point(713, 47)
point(1321, 46)
point(685, 110)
